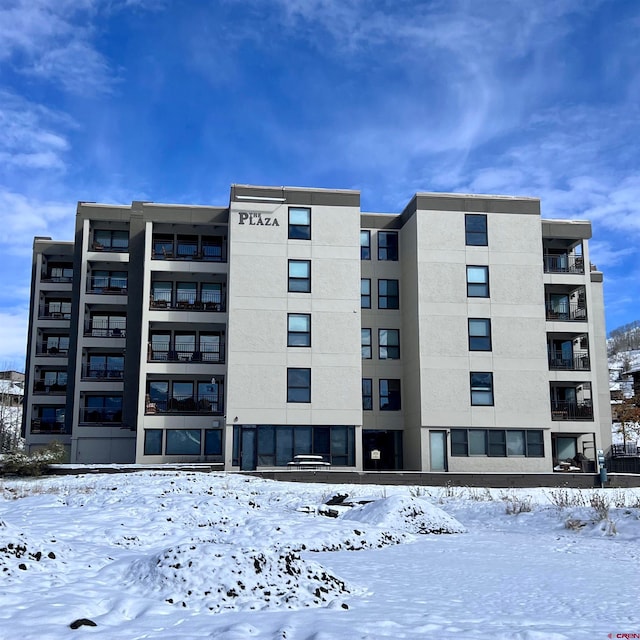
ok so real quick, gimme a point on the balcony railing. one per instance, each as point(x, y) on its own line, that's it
point(102, 373)
point(563, 263)
point(43, 425)
point(112, 286)
point(56, 279)
point(45, 314)
point(43, 350)
point(165, 352)
point(112, 248)
point(41, 387)
point(197, 404)
point(569, 311)
point(112, 329)
point(571, 411)
point(190, 251)
point(628, 449)
point(205, 302)
point(92, 415)
point(576, 362)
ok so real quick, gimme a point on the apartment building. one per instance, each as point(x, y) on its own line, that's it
point(464, 333)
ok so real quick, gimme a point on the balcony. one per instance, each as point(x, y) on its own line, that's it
point(107, 286)
point(40, 387)
point(44, 349)
point(576, 361)
point(44, 426)
point(205, 249)
point(207, 301)
point(115, 327)
point(563, 263)
point(209, 404)
point(90, 415)
point(566, 311)
point(563, 410)
point(166, 352)
point(93, 372)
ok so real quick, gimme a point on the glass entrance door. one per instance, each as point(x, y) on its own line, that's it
point(438, 450)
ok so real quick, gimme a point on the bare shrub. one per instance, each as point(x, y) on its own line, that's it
point(600, 504)
point(564, 498)
point(517, 504)
point(480, 494)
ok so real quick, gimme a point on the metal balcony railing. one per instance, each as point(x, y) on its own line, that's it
point(41, 387)
point(190, 251)
point(91, 414)
point(569, 311)
point(579, 361)
point(181, 301)
point(167, 352)
point(94, 372)
point(211, 403)
point(571, 411)
point(111, 329)
point(563, 263)
point(113, 286)
point(43, 350)
point(45, 425)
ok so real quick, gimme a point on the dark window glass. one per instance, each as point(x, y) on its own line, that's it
point(365, 245)
point(481, 388)
point(365, 293)
point(477, 442)
point(365, 346)
point(390, 397)
point(389, 344)
point(459, 442)
point(284, 445)
point(479, 334)
point(213, 442)
point(476, 229)
point(298, 330)
point(322, 441)
point(388, 297)
point(478, 282)
point(367, 394)
point(153, 442)
point(299, 223)
point(183, 442)
point(300, 276)
point(298, 385)
point(266, 445)
point(535, 443)
point(497, 442)
point(387, 245)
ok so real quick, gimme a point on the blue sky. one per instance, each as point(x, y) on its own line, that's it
point(172, 101)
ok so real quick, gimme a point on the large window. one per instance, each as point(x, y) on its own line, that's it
point(479, 334)
point(299, 330)
point(365, 245)
point(299, 223)
point(298, 385)
point(475, 227)
point(481, 388)
point(107, 326)
point(183, 442)
point(153, 442)
point(497, 442)
point(388, 245)
point(478, 282)
point(300, 276)
point(106, 366)
point(365, 293)
point(365, 343)
point(390, 395)
point(55, 345)
point(388, 296)
point(367, 394)
point(103, 409)
point(389, 344)
point(110, 240)
point(59, 308)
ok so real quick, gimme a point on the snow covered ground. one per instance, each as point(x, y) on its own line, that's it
point(188, 556)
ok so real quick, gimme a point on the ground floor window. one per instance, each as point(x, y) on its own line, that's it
point(497, 442)
point(276, 445)
point(182, 442)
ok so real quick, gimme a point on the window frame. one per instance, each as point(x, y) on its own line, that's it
point(497, 442)
point(475, 339)
point(297, 230)
point(367, 394)
point(475, 234)
point(473, 293)
point(293, 333)
point(364, 344)
point(297, 279)
point(389, 394)
point(393, 348)
point(388, 252)
point(293, 388)
point(476, 388)
point(388, 299)
point(365, 296)
point(365, 248)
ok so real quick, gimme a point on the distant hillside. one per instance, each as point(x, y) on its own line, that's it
point(624, 338)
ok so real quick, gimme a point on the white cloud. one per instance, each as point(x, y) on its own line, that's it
point(13, 338)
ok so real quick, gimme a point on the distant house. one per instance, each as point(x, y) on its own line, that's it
point(11, 388)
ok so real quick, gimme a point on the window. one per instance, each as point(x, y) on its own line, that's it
point(389, 344)
point(298, 385)
point(365, 293)
point(390, 395)
point(478, 282)
point(300, 276)
point(482, 388)
point(103, 409)
point(388, 245)
point(475, 227)
point(114, 240)
point(479, 334)
point(299, 223)
point(365, 339)
point(388, 297)
point(365, 245)
point(367, 394)
point(183, 442)
point(298, 330)
point(153, 442)
point(213, 442)
point(497, 442)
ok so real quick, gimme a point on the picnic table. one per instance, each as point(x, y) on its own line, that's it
point(308, 461)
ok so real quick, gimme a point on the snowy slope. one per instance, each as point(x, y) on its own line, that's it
point(189, 556)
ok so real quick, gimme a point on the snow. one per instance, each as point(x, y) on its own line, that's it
point(185, 555)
